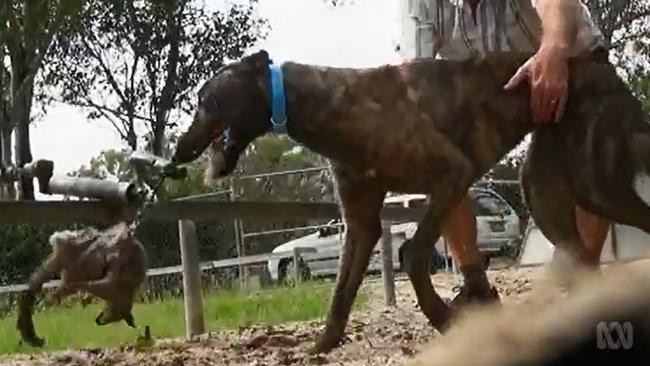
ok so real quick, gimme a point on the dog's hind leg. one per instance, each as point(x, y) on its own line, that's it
point(552, 206)
point(593, 231)
point(361, 202)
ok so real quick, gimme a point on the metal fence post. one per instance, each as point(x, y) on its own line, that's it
point(387, 273)
point(194, 322)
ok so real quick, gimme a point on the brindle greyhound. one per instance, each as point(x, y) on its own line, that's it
point(433, 126)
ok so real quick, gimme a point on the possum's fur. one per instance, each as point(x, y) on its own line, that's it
point(82, 255)
point(553, 328)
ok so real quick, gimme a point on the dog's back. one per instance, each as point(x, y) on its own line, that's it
point(464, 100)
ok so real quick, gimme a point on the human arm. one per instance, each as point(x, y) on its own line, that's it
point(548, 70)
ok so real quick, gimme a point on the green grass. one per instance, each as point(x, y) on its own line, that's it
point(74, 327)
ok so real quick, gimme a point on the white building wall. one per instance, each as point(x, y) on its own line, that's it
point(631, 244)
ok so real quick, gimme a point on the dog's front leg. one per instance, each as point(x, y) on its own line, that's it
point(361, 204)
point(448, 186)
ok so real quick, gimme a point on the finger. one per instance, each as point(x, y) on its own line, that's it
point(559, 113)
point(517, 78)
point(537, 100)
point(537, 95)
point(548, 103)
point(555, 99)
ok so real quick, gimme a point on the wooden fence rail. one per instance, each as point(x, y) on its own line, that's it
point(96, 211)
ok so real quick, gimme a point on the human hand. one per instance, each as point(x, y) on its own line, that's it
point(548, 73)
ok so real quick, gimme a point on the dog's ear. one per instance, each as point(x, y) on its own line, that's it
point(259, 60)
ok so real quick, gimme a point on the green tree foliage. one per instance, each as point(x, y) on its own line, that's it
point(641, 87)
point(137, 64)
point(22, 248)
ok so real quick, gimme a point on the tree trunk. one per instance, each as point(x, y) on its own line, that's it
point(8, 191)
point(20, 116)
point(158, 139)
point(166, 103)
point(24, 156)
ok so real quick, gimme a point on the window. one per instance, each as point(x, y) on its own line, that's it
point(417, 202)
point(485, 205)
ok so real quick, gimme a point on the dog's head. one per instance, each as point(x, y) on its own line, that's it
point(232, 111)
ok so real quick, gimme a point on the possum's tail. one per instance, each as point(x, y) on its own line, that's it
point(25, 323)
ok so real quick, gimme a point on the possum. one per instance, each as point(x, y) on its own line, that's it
point(110, 265)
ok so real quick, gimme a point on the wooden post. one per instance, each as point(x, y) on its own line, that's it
point(194, 323)
point(234, 192)
point(296, 265)
point(387, 268)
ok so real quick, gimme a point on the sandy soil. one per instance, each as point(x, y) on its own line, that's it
point(376, 336)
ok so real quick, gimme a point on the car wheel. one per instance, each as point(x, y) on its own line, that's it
point(287, 272)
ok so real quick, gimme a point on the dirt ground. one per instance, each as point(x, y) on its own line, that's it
point(376, 336)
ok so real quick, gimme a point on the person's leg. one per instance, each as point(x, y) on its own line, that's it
point(459, 231)
point(593, 231)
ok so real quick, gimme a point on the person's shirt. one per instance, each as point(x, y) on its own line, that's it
point(446, 28)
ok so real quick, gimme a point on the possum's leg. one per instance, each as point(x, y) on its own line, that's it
point(105, 289)
point(108, 288)
point(25, 323)
point(52, 265)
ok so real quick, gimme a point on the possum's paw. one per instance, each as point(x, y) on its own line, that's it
point(25, 327)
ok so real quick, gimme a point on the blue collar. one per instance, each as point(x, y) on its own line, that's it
point(278, 99)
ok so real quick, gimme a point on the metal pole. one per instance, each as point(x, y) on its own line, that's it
point(194, 322)
point(387, 268)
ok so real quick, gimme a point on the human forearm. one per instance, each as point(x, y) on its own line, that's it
point(559, 23)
